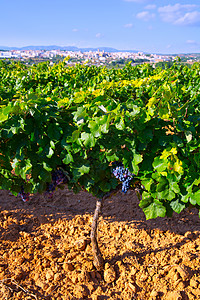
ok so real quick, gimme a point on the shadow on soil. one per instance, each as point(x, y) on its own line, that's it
point(65, 204)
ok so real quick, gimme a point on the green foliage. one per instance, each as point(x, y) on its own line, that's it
point(83, 118)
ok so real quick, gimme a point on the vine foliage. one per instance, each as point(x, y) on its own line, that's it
point(82, 119)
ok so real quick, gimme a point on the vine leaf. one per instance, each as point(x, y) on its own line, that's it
point(154, 210)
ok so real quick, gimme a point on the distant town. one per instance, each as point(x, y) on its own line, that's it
point(95, 57)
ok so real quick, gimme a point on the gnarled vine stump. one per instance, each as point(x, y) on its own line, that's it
point(98, 258)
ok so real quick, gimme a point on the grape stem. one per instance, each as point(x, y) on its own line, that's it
point(98, 258)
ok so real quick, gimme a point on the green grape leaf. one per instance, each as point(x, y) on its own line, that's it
point(75, 135)
point(195, 198)
point(175, 187)
point(120, 125)
point(79, 171)
point(160, 164)
point(162, 185)
point(188, 135)
point(47, 167)
point(68, 158)
point(50, 153)
point(166, 194)
point(95, 128)
point(88, 139)
point(177, 206)
point(154, 210)
point(147, 182)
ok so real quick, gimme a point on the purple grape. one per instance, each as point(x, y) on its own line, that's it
point(58, 177)
point(123, 175)
point(23, 195)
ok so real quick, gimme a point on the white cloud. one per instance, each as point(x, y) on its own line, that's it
point(138, 1)
point(99, 35)
point(190, 18)
point(74, 30)
point(130, 25)
point(150, 6)
point(180, 14)
point(192, 42)
point(145, 15)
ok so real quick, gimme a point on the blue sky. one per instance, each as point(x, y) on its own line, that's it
point(150, 26)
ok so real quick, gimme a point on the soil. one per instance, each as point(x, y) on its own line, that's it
point(45, 250)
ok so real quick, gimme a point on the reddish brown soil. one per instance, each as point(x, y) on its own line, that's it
point(45, 250)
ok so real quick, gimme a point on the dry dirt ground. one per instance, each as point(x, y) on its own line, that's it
point(45, 250)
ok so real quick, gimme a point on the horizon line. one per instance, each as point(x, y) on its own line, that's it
point(79, 48)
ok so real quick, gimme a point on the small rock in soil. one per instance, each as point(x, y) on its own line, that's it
point(57, 277)
point(5, 292)
point(132, 287)
point(194, 283)
point(67, 266)
point(49, 275)
point(81, 291)
point(109, 275)
point(81, 244)
point(184, 272)
point(18, 274)
point(175, 295)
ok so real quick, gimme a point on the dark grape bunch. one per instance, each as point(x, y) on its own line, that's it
point(123, 175)
point(58, 177)
point(23, 195)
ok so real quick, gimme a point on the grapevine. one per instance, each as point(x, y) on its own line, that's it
point(67, 125)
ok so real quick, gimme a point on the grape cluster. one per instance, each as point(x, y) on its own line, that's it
point(58, 177)
point(23, 195)
point(123, 175)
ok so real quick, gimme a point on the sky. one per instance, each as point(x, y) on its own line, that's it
point(166, 27)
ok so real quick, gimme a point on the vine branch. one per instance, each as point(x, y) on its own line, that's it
point(98, 258)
